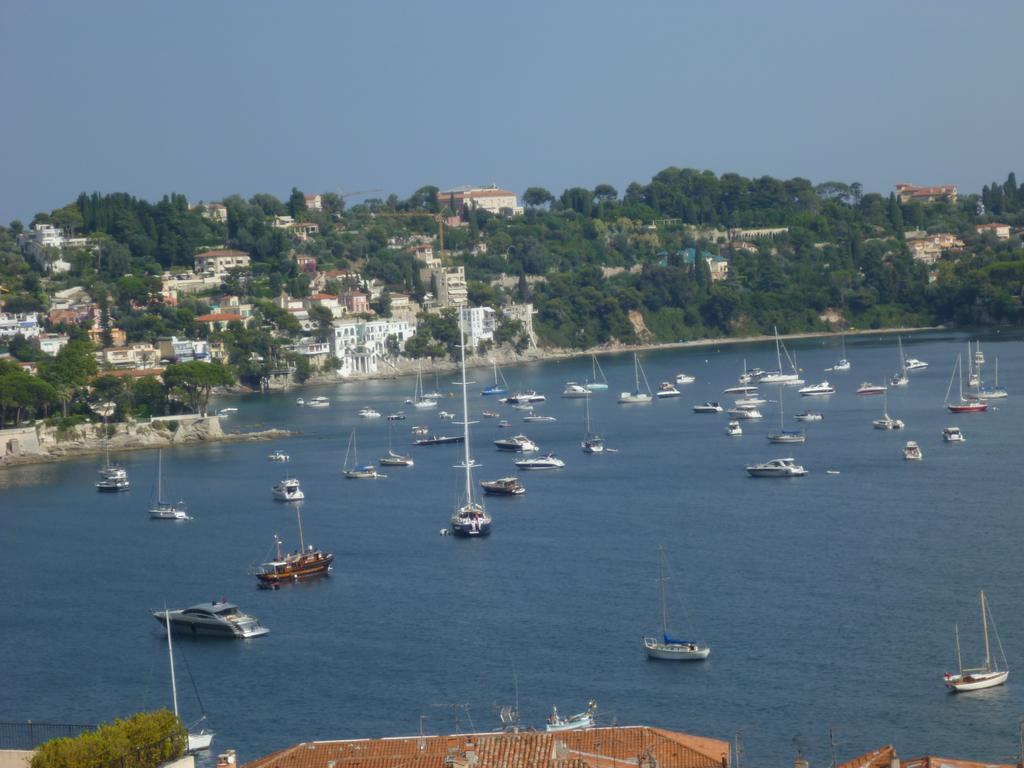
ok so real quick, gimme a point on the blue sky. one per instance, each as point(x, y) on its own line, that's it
point(213, 98)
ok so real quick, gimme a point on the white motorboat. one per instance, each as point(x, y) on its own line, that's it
point(886, 422)
point(221, 619)
point(867, 388)
point(913, 364)
point(748, 413)
point(591, 443)
point(470, 519)
point(824, 388)
point(522, 407)
point(548, 461)
point(597, 381)
point(299, 401)
point(504, 424)
point(396, 416)
point(733, 429)
point(113, 477)
point(279, 456)
point(368, 413)
point(352, 469)
point(524, 398)
point(420, 429)
point(503, 486)
point(574, 390)
point(953, 435)
point(777, 468)
point(160, 508)
point(577, 722)
point(446, 416)
point(748, 401)
point(637, 395)
point(538, 419)
point(318, 402)
point(667, 647)
point(912, 451)
point(742, 389)
point(226, 412)
point(685, 378)
point(287, 489)
point(708, 407)
point(809, 416)
point(991, 673)
point(666, 389)
point(518, 443)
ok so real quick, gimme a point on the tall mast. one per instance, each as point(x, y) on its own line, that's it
point(170, 652)
point(959, 660)
point(465, 409)
point(960, 371)
point(636, 371)
point(984, 627)
point(664, 610)
point(160, 475)
point(778, 353)
point(298, 515)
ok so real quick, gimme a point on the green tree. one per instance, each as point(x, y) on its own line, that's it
point(69, 371)
point(197, 379)
point(537, 196)
point(296, 202)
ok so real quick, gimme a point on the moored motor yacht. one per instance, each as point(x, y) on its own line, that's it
point(318, 402)
point(749, 400)
point(867, 388)
point(549, 461)
point(824, 388)
point(666, 389)
point(912, 451)
point(220, 619)
point(503, 486)
point(953, 435)
point(537, 419)
point(368, 413)
point(439, 440)
point(743, 389)
point(518, 443)
point(809, 416)
point(913, 364)
point(574, 390)
point(396, 416)
point(746, 412)
point(287, 489)
point(708, 407)
point(577, 722)
point(685, 378)
point(734, 429)
point(420, 429)
point(278, 456)
point(524, 398)
point(776, 468)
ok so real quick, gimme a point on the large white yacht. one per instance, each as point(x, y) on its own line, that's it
point(222, 619)
point(777, 468)
point(550, 461)
point(519, 443)
point(824, 388)
point(572, 389)
point(287, 489)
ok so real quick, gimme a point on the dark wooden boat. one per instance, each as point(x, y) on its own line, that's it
point(504, 486)
point(439, 440)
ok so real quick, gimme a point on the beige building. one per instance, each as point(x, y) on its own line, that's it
point(451, 286)
point(219, 262)
point(908, 193)
point(491, 199)
point(1001, 231)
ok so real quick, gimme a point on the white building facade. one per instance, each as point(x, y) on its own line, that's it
point(11, 324)
point(480, 323)
point(361, 346)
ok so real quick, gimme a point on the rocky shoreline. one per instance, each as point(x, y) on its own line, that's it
point(42, 444)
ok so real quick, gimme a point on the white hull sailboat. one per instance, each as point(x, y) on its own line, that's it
point(419, 399)
point(991, 673)
point(354, 470)
point(842, 364)
point(900, 378)
point(202, 738)
point(591, 443)
point(669, 648)
point(777, 376)
point(887, 422)
point(162, 509)
point(785, 436)
point(597, 381)
point(637, 395)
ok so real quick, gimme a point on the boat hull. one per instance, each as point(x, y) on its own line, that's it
point(960, 683)
point(978, 407)
point(306, 569)
point(674, 651)
point(197, 742)
point(471, 530)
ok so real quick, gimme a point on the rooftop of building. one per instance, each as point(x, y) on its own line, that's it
point(593, 748)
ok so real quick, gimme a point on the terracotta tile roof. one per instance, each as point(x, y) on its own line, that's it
point(931, 761)
point(221, 252)
point(594, 748)
point(217, 317)
point(876, 758)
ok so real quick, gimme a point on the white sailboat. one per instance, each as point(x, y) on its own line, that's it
point(162, 509)
point(198, 740)
point(842, 364)
point(419, 400)
point(887, 421)
point(594, 383)
point(668, 647)
point(785, 436)
point(900, 378)
point(470, 520)
point(988, 675)
point(777, 376)
point(354, 470)
point(591, 443)
point(637, 395)
point(394, 459)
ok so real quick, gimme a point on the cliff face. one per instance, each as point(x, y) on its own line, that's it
point(34, 444)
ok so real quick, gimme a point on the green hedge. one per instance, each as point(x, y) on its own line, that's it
point(144, 740)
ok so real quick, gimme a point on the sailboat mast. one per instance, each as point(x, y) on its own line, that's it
point(984, 627)
point(664, 609)
point(160, 476)
point(636, 371)
point(465, 408)
point(170, 653)
point(298, 516)
point(778, 352)
point(959, 660)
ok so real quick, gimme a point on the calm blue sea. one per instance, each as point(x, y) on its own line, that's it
point(828, 601)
